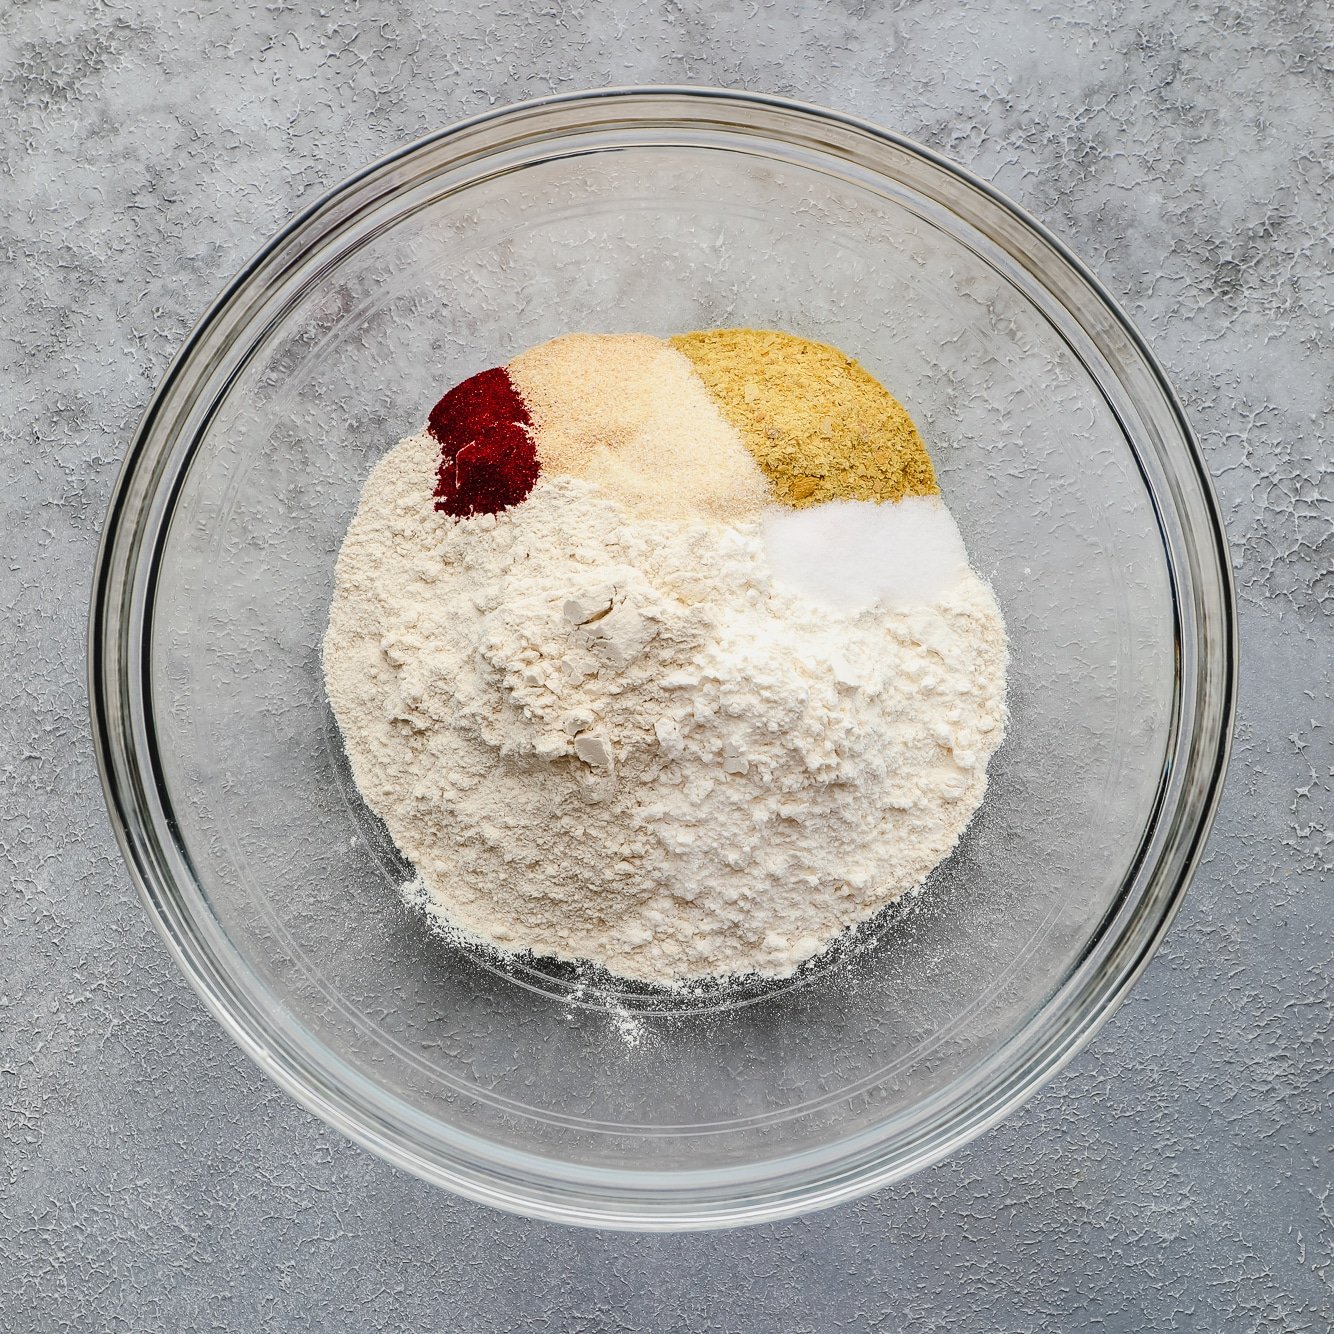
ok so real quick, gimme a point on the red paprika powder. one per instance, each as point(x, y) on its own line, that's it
point(488, 461)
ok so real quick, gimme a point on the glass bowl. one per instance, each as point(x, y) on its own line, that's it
point(540, 1088)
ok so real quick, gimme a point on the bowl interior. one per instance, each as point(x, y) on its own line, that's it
point(539, 1070)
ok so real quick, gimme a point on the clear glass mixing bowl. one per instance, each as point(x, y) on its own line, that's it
point(1063, 455)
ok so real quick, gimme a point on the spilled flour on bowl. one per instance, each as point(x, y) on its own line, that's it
point(603, 735)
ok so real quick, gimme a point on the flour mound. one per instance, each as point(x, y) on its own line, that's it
point(613, 738)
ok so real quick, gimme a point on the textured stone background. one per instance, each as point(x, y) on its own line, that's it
point(1176, 1176)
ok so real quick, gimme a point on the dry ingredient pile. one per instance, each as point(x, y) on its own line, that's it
point(665, 654)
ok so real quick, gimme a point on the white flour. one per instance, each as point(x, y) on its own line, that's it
point(613, 739)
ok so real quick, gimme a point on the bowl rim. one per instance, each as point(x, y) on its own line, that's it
point(542, 1187)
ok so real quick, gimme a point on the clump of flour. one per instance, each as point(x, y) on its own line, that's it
point(614, 738)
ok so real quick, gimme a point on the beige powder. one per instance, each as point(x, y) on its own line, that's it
point(609, 738)
point(628, 412)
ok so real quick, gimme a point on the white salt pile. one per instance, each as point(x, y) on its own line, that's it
point(853, 554)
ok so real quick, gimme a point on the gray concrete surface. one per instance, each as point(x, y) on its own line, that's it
point(1175, 1177)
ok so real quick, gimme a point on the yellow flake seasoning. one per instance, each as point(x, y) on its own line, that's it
point(820, 426)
